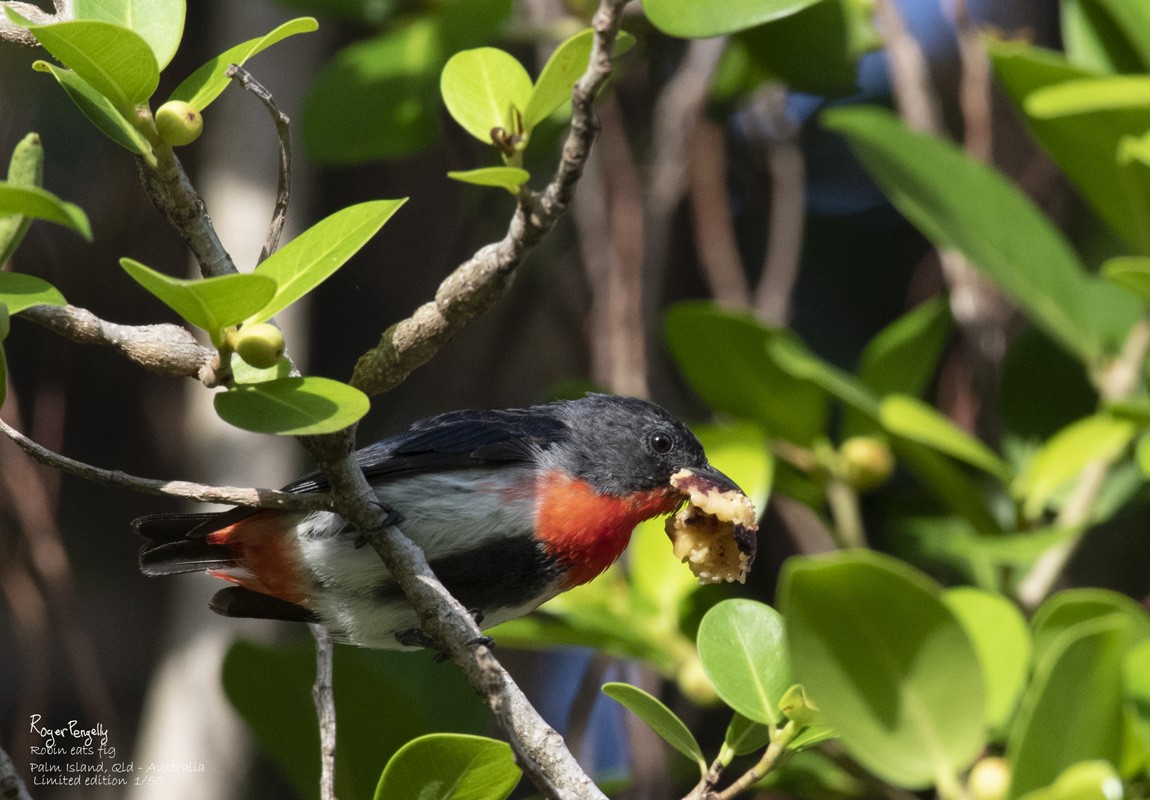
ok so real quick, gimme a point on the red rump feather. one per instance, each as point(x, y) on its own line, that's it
point(586, 530)
point(266, 559)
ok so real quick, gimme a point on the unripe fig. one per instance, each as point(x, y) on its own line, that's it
point(260, 345)
point(178, 123)
point(693, 682)
point(867, 462)
point(989, 779)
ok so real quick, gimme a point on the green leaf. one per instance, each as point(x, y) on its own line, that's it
point(19, 291)
point(816, 50)
point(694, 20)
point(97, 108)
point(32, 201)
point(958, 202)
point(1086, 780)
point(1136, 680)
point(1096, 438)
point(904, 355)
point(796, 360)
point(887, 663)
point(509, 178)
point(159, 22)
point(25, 168)
point(1066, 609)
point(486, 88)
point(293, 406)
point(745, 658)
point(562, 70)
point(1129, 272)
point(3, 373)
point(312, 257)
point(1089, 95)
point(745, 736)
point(723, 355)
point(659, 718)
point(243, 372)
point(1106, 35)
point(1072, 711)
point(1001, 640)
point(270, 686)
point(114, 61)
point(211, 304)
point(450, 766)
point(1082, 145)
point(205, 84)
point(920, 422)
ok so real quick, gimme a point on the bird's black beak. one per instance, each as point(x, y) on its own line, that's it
point(716, 495)
point(709, 479)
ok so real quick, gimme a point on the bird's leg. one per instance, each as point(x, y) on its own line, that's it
point(417, 637)
point(390, 517)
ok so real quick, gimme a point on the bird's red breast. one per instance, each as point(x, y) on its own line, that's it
point(588, 531)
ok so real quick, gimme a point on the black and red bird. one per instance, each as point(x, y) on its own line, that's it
point(511, 507)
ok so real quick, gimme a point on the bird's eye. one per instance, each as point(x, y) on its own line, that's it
point(660, 442)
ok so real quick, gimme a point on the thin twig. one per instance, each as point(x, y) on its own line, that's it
point(974, 86)
point(914, 94)
point(1119, 383)
point(324, 698)
point(714, 230)
point(777, 134)
point(258, 498)
point(283, 136)
point(11, 787)
point(479, 282)
point(11, 32)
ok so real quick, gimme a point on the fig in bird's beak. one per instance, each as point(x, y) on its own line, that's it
point(714, 532)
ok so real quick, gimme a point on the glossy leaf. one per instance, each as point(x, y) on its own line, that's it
point(486, 88)
point(1136, 680)
point(1089, 95)
point(159, 22)
point(293, 406)
point(796, 360)
point(114, 61)
point(1086, 780)
point(1001, 640)
point(211, 304)
point(887, 663)
point(745, 658)
point(723, 355)
point(1106, 35)
point(270, 686)
point(816, 50)
point(19, 291)
point(1096, 438)
point(1083, 145)
point(695, 20)
point(37, 203)
point(25, 168)
point(920, 422)
point(562, 70)
point(1131, 273)
point(205, 84)
point(659, 718)
point(958, 202)
point(1072, 711)
point(312, 257)
point(1066, 609)
point(450, 766)
point(904, 355)
point(745, 736)
point(98, 109)
point(509, 178)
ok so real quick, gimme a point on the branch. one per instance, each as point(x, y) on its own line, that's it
point(914, 94)
point(1119, 383)
point(11, 32)
point(480, 281)
point(11, 787)
point(172, 193)
point(283, 136)
point(324, 699)
point(164, 349)
point(259, 498)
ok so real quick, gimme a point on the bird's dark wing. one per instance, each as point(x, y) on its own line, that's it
point(453, 440)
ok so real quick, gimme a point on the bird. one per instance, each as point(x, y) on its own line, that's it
point(510, 506)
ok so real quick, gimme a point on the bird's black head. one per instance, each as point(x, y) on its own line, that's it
point(622, 445)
